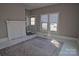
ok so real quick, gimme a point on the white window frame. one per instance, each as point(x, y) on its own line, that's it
point(49, 23)
point(44, 22)
point(55, 23)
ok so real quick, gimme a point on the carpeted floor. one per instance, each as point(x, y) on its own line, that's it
point(37, 46)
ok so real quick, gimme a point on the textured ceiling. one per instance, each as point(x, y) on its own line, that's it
point(36, 5)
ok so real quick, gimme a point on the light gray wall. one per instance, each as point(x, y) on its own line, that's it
point(78, 23)
point(27, 15)
point(10, 12)
point(27, 12)
point(68, 21)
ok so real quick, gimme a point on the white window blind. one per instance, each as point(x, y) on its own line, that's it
point(44, 18)
point(53, 18)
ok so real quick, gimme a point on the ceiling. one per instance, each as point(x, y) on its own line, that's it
point(31, 6)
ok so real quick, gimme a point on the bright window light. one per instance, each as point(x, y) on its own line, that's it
point(53, 19)
point(33, 21)
point(44, 22)
point(53, 27)
point(44, 26)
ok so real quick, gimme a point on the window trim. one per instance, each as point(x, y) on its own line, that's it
point(43, 22)
point(53, 22)
point(48, 23)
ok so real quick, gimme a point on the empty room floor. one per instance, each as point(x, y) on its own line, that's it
point(70, 48)
point(39, 46)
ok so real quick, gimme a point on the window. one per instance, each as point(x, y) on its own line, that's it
point(44, 22)
point(53, 19)
point(32, 20)
point(51, 24)
point(53, 27)
point(44, 26)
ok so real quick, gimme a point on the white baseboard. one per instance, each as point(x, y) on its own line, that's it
point(57, 36)
point(5, 42)
point(3, 39)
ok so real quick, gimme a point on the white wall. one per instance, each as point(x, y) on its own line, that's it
point(16, 29)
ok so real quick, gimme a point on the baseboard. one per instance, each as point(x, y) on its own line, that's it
point(3, 39)
point(56, 36)
point(5, 42)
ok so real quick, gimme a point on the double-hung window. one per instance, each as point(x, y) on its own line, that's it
point(49, 22)
point(53, 21)
point(44, 22)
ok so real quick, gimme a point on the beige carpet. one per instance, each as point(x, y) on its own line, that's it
point(37, 46)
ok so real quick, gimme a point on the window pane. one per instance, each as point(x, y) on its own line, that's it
point(33, 21)
point(44, 21)
point(44, 18)
point(53, 27)
point(53, 19)
point(44, 26)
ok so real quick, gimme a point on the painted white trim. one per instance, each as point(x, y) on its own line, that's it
point(5, 42)
point(3, 39)
point(56, 36)
point(9, 43)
